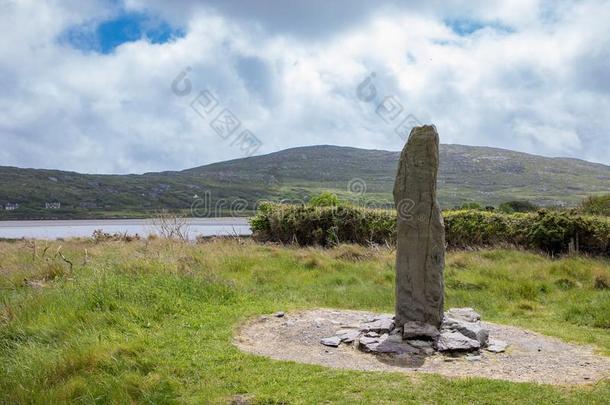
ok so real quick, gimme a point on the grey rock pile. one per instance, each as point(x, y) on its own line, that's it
point(460, 332)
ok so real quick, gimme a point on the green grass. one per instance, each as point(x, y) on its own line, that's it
point(152, 321)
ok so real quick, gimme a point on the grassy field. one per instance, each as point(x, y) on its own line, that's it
point(152, 321)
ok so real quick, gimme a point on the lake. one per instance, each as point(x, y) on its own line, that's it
point(143, 227)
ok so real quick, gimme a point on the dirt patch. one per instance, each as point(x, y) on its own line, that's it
point(530, 357)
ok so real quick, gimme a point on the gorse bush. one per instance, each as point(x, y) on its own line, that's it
point(552, 232)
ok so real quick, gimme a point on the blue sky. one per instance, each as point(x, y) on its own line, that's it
point(89, 86)
point(105, 35)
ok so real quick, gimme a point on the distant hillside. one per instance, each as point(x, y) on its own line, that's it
point(485, 175)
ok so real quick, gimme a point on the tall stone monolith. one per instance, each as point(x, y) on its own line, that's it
point(420, 257)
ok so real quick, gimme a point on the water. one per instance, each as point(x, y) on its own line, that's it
point(143, 227)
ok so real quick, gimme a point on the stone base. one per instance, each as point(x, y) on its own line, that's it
point(460, 332)
point(529, 358)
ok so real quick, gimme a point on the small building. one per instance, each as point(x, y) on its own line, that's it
point(11, 206)
point(52, 205)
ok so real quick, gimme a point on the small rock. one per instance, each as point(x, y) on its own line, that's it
point(379, 324)
point(471, 357)
point(368, 344)
point(428, 351)
point(421, 330)
point(279, 314)
point(496, 346)
point(387, 346)
point(395, 338)
point(333, 341)
point(472, 330)
point(455, 341)
point(420, 344)
point(348, 335)
point(371, 334)
point(463, 314)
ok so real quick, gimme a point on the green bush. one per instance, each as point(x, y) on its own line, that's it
point(471, 206)
point(598, 205)
point(552, 232)
point(510, 207)
point(325, 226)
point(325, 199)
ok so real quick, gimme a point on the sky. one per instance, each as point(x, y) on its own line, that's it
point(134, 86)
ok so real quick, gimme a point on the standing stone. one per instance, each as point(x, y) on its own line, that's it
point(420, 256)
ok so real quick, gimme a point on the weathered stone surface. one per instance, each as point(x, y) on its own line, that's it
point(396, 331)
point(420, 256)
point(456, 342)
point(472, 330)
point(419, 330)
point(395, 338)
point(348, 335)
point(382, 324)
point(463, 314)
point(368, 344)
point(496, 346)
point(386, 344)
point(420, 344)
point(333, 341)
point(389, 346)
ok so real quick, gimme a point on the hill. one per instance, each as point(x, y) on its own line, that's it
point(485, 175)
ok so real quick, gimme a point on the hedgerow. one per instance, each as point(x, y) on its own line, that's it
point(552, 232)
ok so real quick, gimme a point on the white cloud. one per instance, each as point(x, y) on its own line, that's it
point(541, 86)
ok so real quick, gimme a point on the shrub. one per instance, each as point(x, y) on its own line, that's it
point(100, 236)
point(510, 207)
point(552, 232)
point(599, 205)
point(324, 226)
point(602, 282)
point(471, 206)
point(325, 199)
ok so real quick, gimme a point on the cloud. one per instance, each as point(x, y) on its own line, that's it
point(523, 75)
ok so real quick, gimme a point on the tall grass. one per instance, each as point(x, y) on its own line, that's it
point(153, 321)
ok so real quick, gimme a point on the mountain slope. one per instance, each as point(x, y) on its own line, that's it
point(480, 174)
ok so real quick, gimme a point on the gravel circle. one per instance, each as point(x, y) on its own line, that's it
point(530, 357)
